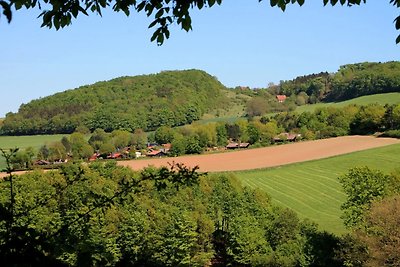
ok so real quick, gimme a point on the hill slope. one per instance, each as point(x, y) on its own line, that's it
point(148, 101)
point(382, 99)
point(350, 81)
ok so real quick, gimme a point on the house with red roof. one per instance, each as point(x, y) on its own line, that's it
point(281, 98)
point(156, 153)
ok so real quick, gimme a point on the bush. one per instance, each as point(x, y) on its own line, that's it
point(391, 133)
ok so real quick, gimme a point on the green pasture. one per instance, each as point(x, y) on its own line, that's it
point(232, 119)
point(389, 98)
point(312, 188)
point(22, 142)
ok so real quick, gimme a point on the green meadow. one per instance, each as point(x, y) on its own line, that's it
point(312, 188)
point(22, 142)
point(232, 119)
point(389, 98)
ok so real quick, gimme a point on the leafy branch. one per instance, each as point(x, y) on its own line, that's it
point(59, 13)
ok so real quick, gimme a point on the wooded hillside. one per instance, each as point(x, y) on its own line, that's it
point(350, 81)
point(168, 98)
point(173, 98)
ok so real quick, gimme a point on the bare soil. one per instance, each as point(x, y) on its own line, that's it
point(269, 156)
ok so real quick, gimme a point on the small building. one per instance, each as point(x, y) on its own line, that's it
point(115, 155)
point(42, 162)
point(237, 145)
point(151, 145)
point(156, 153)
point(281, 98)
point(289, 137)
point(166, 147)
point(232, 146)
point(244, 145)
point(94, 157)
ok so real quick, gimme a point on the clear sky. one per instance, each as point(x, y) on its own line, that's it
point(241, 42)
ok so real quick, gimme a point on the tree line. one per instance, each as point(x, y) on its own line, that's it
point(199, 138)
point(104, 214)
point(175, 98)
point(352, 119)
point(350, 81)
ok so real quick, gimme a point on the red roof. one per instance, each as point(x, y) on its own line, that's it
point(115, 155)
point(154, 153)
point(93, 157)
point(281, 98)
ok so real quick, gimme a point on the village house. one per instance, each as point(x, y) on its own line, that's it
point(156, 153)
point(115, 155)
point(237, 145)
point(281, 98)
point(289, 137)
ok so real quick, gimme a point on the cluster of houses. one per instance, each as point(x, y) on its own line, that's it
point(153, 150)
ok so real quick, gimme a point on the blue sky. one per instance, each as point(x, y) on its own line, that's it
point(241, 42)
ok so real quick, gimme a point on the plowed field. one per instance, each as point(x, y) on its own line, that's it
point(269, 156)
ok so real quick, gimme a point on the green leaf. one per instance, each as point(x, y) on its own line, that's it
point(159, 13)
point(160, 39)
point(397, 20)
point(6, 10)
point(141, 6)
point(153, 23)
point(82, 10)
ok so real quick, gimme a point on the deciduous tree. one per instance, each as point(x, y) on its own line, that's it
point(59, 13)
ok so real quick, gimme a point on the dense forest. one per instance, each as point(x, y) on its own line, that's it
point(350, 81)
point(168, 98)
point(105, 215)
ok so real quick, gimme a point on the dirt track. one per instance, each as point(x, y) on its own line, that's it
point(269, 156)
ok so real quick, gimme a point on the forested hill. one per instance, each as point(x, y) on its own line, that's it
point(148, 101)
point(350, 81)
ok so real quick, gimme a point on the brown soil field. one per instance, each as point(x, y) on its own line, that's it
point(269, 156)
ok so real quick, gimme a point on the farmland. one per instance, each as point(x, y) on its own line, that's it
point(23, 142)
point(309, 188)
point(271, 156)
point(388, 98)
point(312, 189)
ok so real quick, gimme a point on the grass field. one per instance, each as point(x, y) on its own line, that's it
point(312, 189)
point(220, 119)
point(23, 142)
point(389, 98)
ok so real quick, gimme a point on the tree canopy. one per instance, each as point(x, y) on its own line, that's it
point(147, 102)
point(59, 13)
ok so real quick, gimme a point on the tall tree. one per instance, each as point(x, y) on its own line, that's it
point(363, 186)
